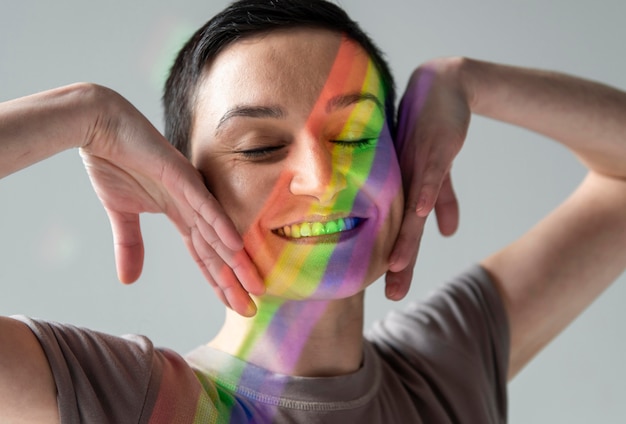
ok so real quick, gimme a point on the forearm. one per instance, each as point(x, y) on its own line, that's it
point(38, 126)
point(587, 117)
point(553, 272)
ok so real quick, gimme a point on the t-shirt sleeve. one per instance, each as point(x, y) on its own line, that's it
point(453, 347)
point(102, 378)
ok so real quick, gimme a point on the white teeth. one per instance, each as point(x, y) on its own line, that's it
point(312, 229)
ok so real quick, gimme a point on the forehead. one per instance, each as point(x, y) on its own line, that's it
point(290, 68)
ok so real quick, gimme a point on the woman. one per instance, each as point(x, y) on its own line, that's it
point(290, 132)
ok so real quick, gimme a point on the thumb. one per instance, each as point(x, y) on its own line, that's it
point(128, 245)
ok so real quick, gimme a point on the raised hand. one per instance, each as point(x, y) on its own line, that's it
point(133, 170)
point(434, 116)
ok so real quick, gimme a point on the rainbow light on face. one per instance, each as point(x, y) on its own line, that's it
point(295, 263)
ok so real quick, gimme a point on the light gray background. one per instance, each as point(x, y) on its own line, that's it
point(56, 258)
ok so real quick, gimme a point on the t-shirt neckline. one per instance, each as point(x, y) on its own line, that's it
point(310, 393)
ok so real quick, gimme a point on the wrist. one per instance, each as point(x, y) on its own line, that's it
point(459, 73)
point(466, 71)
point(96, 106)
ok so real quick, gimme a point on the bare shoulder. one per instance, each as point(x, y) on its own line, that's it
point(27, 389)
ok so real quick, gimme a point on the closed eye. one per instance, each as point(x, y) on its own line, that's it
point(356, 144)
point(259, 152)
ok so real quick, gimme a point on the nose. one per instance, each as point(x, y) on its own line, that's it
point(315, 172)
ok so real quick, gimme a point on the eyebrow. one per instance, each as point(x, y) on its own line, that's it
point(251, 112)
point(346, 100)
point(337, 102)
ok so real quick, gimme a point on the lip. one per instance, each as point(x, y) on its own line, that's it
point(341, 226)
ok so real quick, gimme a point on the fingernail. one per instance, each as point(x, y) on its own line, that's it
point(421, 204)
point(391, 290)
point(251, 309)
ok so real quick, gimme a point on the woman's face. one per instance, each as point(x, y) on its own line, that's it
point(290, 134)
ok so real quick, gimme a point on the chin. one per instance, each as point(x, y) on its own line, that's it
point(337, 282)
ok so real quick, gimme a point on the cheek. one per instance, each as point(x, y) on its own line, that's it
point(384, 176)
point(386, 188)
point(240, 191)
point(396, 203)
point(394, 220)
point(385, 185)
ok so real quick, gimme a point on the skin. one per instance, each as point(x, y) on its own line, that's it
point(308, 164)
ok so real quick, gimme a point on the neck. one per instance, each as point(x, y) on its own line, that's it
point(304, 338)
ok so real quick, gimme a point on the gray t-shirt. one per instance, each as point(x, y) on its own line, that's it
point(443, 360)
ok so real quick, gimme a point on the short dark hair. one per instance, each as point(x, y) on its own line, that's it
point(246, 18)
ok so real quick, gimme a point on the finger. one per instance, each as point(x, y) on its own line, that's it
point(246, 272)
point(236, 297)
point(239, 300)
point(208, 277)
point(447, 208)
point(239, 262)
point(407, 242)
point(213, 214)
point(226, 286)
point(222, 243)
point(432, 178)
point(185, 184)
point(128, 245)
point(404, 255)
point(399, 283)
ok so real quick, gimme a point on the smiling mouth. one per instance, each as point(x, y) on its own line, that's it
point(318, 228)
